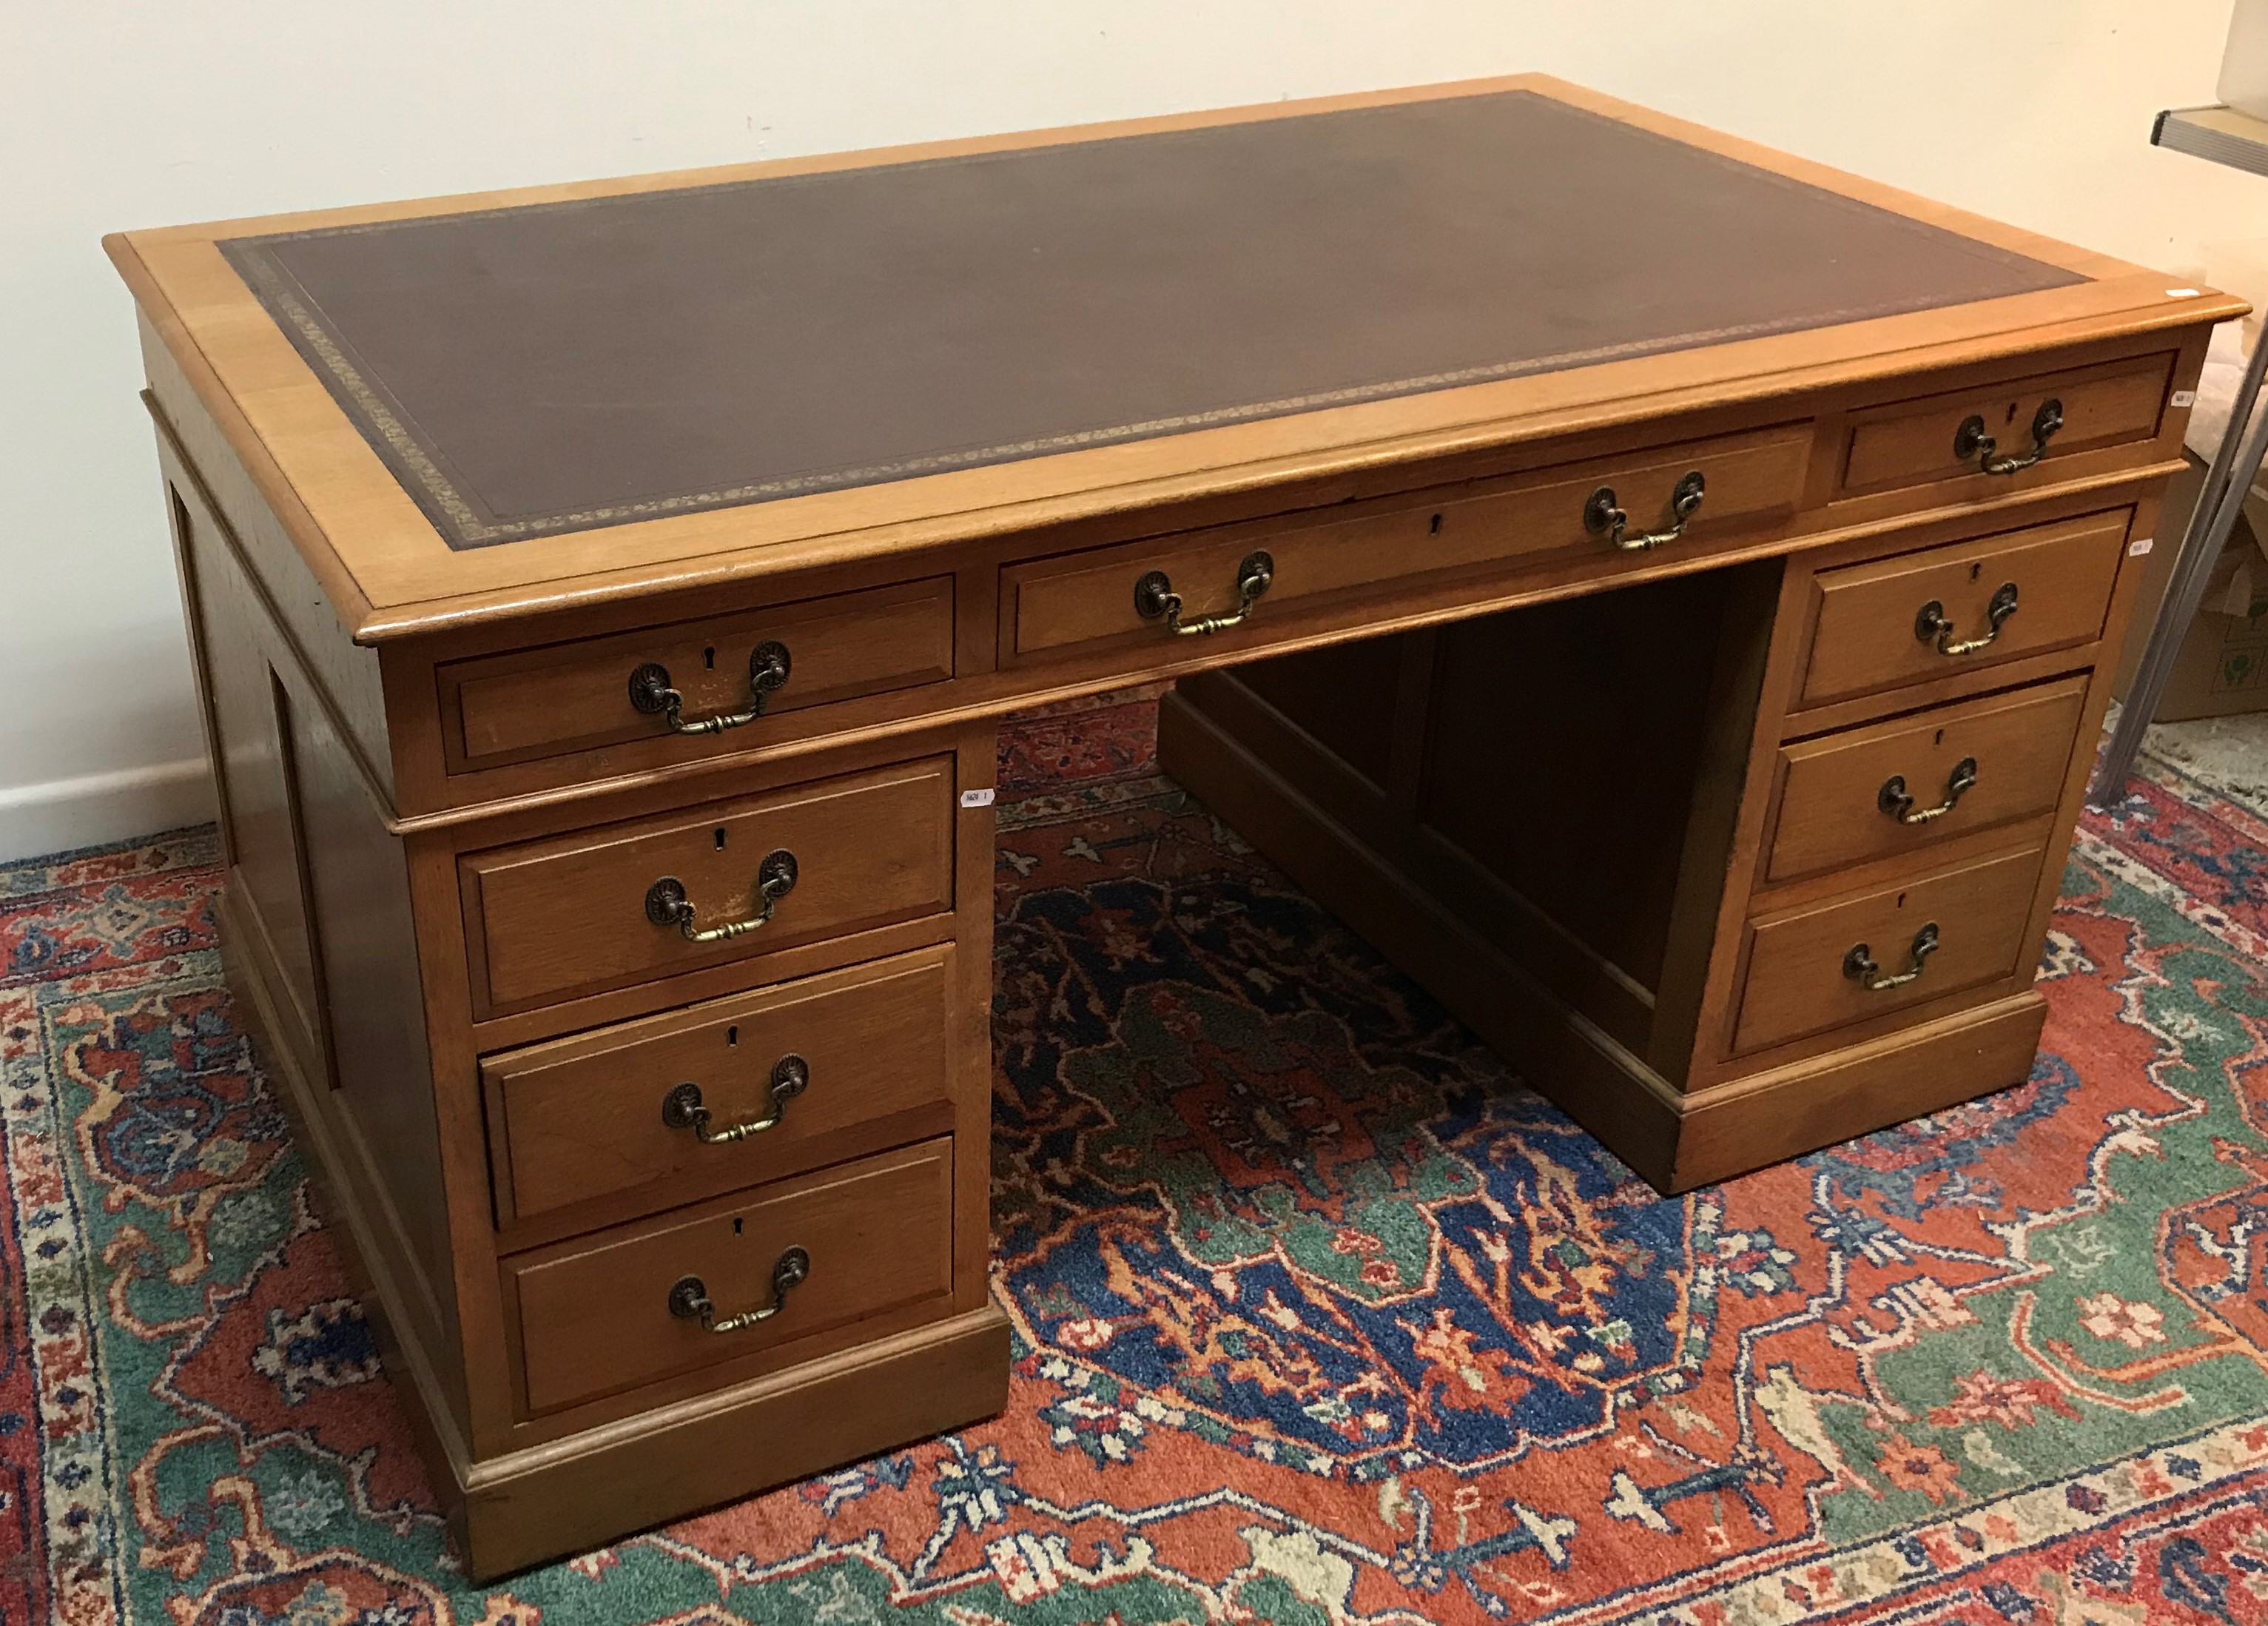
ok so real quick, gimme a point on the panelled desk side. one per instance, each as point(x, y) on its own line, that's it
point(445, 818)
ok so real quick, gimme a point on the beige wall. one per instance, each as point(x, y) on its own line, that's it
point(125, 115)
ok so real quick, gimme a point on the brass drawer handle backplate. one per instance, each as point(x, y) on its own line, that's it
point(1931, 627)
point(689, 1297)
point(1970, 440)
point(1602, 516)
point(768, 665)
point(682, 1107)
point(666, 904)
point(1897, 802)
point(1154, 598)
point(1859, 964)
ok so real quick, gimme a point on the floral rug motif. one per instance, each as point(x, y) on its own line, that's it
point(1320, 1316)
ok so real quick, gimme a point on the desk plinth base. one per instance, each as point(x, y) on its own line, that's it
point(507, 1512)
point(589, 1489)
point(1676, 1140)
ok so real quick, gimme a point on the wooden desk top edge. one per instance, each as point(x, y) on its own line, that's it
point(390, 575)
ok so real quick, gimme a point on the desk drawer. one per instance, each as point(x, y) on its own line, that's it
point(609, 1312)
point(1936, 438)
point(1807, 969)
point(620, 1110)
point(1967, 604)
point(1899, 787)
point(605, 691)
point(1055, 605)
point(576, 913)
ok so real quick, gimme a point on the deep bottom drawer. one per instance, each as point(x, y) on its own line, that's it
point(610, 1312)
point(1843, 961)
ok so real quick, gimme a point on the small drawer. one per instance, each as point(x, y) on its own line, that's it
point(1940, 438)
point(749, 1088)
point(1865, 793)
point(1836, 963)
point(1115, 593)
point(601, 691)
point(627, 1306)
point(602, 908)
point(1964, 605)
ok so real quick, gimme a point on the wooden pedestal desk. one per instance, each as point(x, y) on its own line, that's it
point(1660, 591)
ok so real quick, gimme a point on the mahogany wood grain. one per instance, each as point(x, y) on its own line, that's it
point(1797, 984)
point(594, 1314)
point(1612, 692)
point(1582, 828)
point(477, 1363)
point(1676, 1140)
point(549, 1500)
point(1911, 442)
point(1277, 730)
point(543, 702)
point(549, 919)
point(1821, 1099)
point(348, 1193)
point(1829, 811)
point(978, 695)
point(440, 846)
point(581, 1118)
point(292, 593)
point(1864, 635)
point(1347, 696)
point(1090, 597)
point(976, 855)
point(249, 709)
point(381, 1063)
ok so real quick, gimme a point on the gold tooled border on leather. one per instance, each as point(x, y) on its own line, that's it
point(446, 496)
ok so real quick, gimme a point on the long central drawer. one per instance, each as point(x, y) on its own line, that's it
point(1576, 510)
point(625, 902)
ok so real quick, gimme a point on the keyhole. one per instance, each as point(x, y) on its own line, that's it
point(1902, 900)
point(1939, 740)
point(732, 1036)
point(736, 1224)
point(1975, 569)
point(720, 838)
point(1435, 529)
point(709, 657)
point(2012, 414)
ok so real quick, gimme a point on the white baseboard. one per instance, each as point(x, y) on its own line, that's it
point(61, 815)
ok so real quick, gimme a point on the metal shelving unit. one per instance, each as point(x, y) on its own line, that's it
point(2221, 136)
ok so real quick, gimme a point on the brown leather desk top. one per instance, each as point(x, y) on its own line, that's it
point(555, 367)
point(466, 411)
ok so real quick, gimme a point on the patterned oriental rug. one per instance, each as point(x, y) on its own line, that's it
point(1320, 1316)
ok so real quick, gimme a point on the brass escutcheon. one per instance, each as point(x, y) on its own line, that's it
point(682, 1108)
point(1858, 962)
point(1971, 441)
point(651, 693)
point(1155, 600)
point(1931, 625)
point(666, 904)
point(1894, 800)
point(688, 1296)
point(1602, 516)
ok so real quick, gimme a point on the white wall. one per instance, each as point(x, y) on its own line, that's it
point(118, 115)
